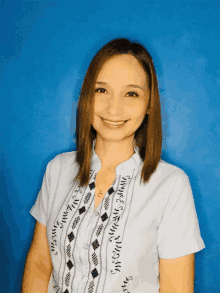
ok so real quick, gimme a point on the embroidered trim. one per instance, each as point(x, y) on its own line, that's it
point(57, 224)
point(115, 225)
point(106, 203)
point(71, 235)
point(99, 230)
point(96, 240)
point(118, 211)
point(91, 287)
point(94, 259)
point(116, 255)
point(87, 197)
point(125, 284)
point(67, 279)
point(54, 284)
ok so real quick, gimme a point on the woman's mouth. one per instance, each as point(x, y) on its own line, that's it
point(114, 124)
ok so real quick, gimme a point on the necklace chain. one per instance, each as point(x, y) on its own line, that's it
point(100, 193)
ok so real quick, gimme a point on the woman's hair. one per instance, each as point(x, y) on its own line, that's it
point(148, 137)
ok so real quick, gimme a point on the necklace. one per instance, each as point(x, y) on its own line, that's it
point(100, 193)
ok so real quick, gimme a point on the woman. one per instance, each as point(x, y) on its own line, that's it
point(112, 216)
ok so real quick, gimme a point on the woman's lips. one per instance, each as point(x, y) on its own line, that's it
point(114, 121)
point(112, 125)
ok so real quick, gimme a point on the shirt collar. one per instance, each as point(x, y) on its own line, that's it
point(123, 169)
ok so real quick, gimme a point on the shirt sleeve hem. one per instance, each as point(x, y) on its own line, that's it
point(195, 247)
point(35, 214)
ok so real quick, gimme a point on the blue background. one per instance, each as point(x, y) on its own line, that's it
point(45, 49)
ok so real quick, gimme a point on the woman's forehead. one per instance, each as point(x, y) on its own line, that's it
point(126, 67)
point(121, 60)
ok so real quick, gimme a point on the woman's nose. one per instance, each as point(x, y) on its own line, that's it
point(115, 101)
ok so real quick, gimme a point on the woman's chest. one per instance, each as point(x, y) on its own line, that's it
point(121, 216)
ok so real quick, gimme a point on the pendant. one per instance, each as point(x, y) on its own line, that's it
point(99, 194)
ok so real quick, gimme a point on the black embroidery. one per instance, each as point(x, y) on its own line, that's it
point(99, 230)
point(52, 245)
point(106, 203)
point(67, 279)
point(104, 217)
point(115, 225)
point(125, 284)
point(111, 190)
point(116, 212)
point(95, 256)
point(82, 210)
point(69, 208)
point(116, 255)
point(91, 287)
point(78, 190)
point(68, 250)
point(120, 202)
point(69, 264)
point(92, 185)
point(71, 236)
point(94, 273)
point(87, 197)
point(54, 284)
point(107, 200)
point(94, 259)
point(95, 244)
point(76, 221)
point(54, 237)
point(122, 185)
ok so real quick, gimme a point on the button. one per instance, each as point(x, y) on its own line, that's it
point(85, 246)
point(96, 213)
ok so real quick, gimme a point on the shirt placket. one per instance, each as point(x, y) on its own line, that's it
point(84, 252)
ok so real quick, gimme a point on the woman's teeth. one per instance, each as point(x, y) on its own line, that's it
point(113, 123)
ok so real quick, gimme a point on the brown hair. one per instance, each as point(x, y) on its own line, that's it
point(148, 137)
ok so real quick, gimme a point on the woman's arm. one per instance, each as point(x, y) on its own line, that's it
point(38, 266)
point(177, 275)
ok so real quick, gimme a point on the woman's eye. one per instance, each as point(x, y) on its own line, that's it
point(100, 90)
point(132, 94)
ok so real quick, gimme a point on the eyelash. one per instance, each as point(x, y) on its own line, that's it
point(105, 90)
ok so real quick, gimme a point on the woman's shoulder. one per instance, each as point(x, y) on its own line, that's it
point(165, 170)
point(63, 160)
point(167, 175)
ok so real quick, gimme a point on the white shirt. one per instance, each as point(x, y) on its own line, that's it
point(117, 247)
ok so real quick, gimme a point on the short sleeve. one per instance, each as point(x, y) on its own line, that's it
point(40, 209)
point(179, 232)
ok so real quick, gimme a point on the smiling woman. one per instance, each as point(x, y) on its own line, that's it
point(116, 107)
point(118, 218)
point(120, 85)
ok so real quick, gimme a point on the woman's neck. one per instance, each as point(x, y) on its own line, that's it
point(111, 155)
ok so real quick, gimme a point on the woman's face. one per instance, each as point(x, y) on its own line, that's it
point(121, 94)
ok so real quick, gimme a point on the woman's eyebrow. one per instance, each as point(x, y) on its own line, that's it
point(134, 85)
point(130, 85)
point(100, 82)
